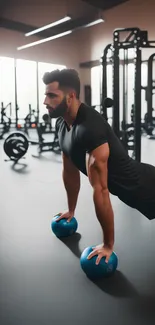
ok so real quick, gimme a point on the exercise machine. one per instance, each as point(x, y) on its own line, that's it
point(5, 122)
point(118, 54)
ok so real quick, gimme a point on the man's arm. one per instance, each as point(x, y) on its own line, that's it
point(97, 170)
point(71, 179)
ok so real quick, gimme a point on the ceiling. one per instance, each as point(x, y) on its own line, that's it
point(74, 7)
point(104, 4)
point(25, 15)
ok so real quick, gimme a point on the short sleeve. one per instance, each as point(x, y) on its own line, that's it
point(95, 134)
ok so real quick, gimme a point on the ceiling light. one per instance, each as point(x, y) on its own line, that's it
point(58, 22)
point(44, 40)
point(95, 22)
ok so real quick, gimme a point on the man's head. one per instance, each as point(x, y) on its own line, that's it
point(62, 91)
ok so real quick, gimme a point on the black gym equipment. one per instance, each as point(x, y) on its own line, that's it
point(134, 39)
point(150, 88)
point(107, 103)
point(16, 100)
point(16, 145)
point(46, 126)
point(30, 121)
point(46, 118)
point(41, 130)
point(149, 126)
point(149, 119)
point(105, 60)
point(46, 146)
point(5, 122)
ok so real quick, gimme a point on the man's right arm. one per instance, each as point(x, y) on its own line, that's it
point(71, 179)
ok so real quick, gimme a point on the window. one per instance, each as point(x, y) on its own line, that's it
point(7, 83)
point(26, 86)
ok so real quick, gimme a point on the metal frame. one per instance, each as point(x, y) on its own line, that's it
point(135, 39)
point(150, 87)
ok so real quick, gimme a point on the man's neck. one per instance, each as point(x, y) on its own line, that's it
point(71, 115)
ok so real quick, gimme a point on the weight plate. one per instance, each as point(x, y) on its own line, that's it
point(16, 145)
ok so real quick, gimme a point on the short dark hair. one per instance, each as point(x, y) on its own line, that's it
point(67, 78)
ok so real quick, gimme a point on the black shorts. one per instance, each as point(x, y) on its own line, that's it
point(147, 209)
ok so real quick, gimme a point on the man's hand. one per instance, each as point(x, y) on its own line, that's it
point(101, 251)
point(66, 215)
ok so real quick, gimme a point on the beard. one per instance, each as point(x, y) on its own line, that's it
point(58, 111)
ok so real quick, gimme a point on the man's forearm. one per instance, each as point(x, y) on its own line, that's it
point(105, 215)
point(72, 186)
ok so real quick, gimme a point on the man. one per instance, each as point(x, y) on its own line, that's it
point(89, 145)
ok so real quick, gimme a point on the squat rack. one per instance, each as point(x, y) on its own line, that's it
point(150, 88)
point(135, 39)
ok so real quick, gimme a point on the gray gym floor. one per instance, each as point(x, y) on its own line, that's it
point(41, 281)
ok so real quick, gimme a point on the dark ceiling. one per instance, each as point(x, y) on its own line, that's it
point(79, 20)
point(104, 4)
point(2, 5)
point(73, 24)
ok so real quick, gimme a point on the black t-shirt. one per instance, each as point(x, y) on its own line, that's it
point(130, 180)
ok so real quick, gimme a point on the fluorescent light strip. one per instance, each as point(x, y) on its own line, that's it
point(58, 22)
point(44, 40)
point(98, 21)
point(57, 36)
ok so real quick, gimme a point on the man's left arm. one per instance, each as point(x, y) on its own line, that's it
point(97, 170)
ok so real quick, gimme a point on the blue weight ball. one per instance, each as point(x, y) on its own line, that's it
point(62, 228)
point(102, 270)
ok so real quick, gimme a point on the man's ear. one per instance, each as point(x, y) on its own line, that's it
point(70, 96)
point(72, 93)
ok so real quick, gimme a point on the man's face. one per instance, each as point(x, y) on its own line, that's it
point(55, 100)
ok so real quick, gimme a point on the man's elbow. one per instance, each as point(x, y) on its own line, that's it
point(100, 190)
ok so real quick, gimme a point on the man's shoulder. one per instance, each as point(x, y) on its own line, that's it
point(89, 109)
point(92, 129)
point(92, 119)
point(91, 126)
point(90, 114)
